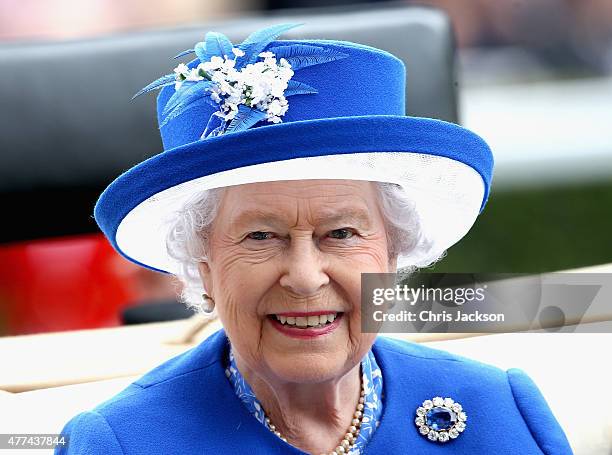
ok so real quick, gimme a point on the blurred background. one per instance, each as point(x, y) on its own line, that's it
point(534, 78)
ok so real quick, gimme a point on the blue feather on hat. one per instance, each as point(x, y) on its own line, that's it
point(190, 94)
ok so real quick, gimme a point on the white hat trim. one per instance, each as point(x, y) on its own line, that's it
point(447, 194)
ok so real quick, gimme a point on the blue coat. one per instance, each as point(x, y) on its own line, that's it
point(187, 406)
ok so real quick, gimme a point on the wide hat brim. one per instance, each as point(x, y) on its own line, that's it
point(445, 169)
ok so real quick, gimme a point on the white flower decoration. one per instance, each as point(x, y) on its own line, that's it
point(246, 89)
point(259, 85)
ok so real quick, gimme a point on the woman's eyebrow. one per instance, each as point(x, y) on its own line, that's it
point(357, 217)
point(328, 217)
point(257, 215)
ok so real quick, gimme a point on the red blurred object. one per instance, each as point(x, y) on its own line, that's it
point(62, 284)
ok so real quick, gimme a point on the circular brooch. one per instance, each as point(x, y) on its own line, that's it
point(440, 419)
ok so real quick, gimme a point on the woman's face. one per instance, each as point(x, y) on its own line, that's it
point(285, 264)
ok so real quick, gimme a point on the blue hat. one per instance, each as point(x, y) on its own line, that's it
point(269, 110)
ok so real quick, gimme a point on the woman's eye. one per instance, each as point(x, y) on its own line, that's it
point(341, 234)
point(259, 235)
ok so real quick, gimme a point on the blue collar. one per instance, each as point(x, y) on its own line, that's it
point(373, 406)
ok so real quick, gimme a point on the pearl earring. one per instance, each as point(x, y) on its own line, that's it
point(209, 303)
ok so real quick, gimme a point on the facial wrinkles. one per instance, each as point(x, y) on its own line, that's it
point(301, 213)
point(302, 233)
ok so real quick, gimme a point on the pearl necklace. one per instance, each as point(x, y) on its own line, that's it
point(353, 431)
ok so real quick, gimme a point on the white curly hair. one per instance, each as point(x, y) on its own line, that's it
point(187, 241)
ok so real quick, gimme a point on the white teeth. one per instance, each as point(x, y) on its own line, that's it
point(313, 320)
point(307, 321)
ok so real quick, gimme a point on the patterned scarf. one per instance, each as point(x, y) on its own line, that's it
point(373, 406)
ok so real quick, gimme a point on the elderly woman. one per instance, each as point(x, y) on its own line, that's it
point(289, 170)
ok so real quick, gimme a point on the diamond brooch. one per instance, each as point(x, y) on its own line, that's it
point(440, 419)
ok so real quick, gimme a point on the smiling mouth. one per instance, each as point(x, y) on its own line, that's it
point(306, 322)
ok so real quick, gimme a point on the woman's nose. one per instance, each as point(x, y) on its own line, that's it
point(304, 271)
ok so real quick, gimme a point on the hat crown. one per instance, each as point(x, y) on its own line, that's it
point(368, 81)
